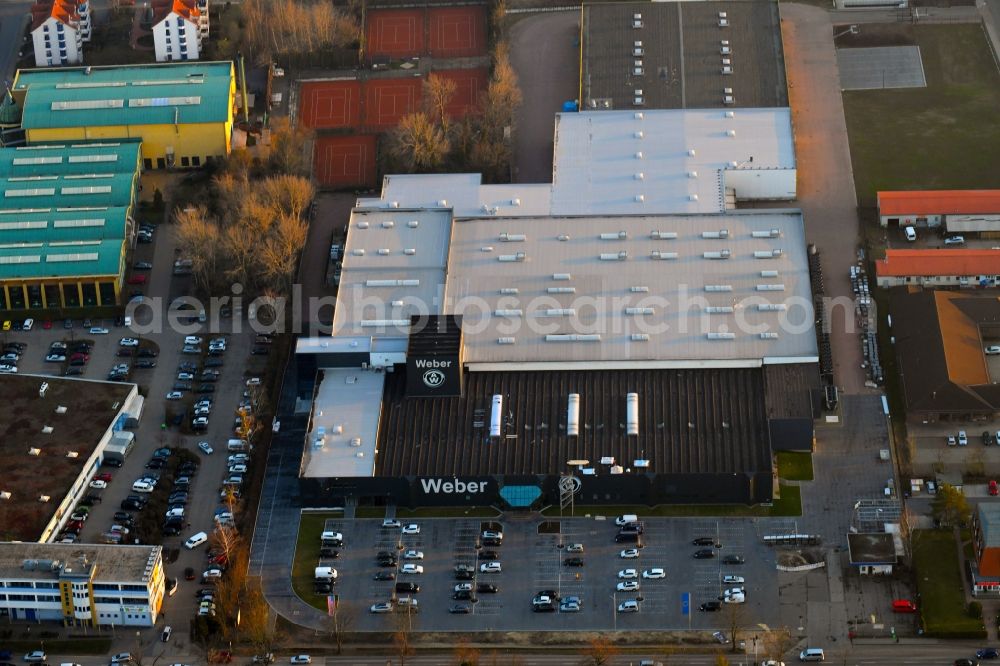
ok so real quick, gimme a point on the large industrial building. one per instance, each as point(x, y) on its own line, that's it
point(81, 585)
point(627, 325)
point(66, 223)
point(53, 434)
point(182, 112)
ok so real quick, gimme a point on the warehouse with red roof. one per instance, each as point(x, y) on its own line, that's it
point(959, 211)
point(938, 268)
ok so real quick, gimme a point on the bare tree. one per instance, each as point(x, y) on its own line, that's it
point(296, 26)
point(721, 660)
point(598, 651)
point(735, 617)
point(438, 93)
point(418, 144)
point(777, 642)
point(289, 152)
point(341, 621)
point(255, 618)
point(199, 239)
point(401, 636)
point(465, 654)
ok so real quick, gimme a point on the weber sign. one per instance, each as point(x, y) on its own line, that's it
point(433, 377)
point(434, 357)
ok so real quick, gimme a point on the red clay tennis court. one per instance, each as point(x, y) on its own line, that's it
point(388, 100)
point(457, 32)
point(469, 86)
point(330, 104)
point(342, 161)
point(395, 32)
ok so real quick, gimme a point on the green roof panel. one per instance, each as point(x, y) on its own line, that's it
point(35, 225)
point(164, 94)
point(48, 260)
point(70, 159)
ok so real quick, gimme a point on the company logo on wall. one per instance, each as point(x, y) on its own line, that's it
point(433, 378)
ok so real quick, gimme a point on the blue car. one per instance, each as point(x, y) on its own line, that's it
point(987, 653)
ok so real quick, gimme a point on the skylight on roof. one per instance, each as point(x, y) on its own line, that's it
point(22, 224)
point(90, 189)
point(21, 259)
point(85, 222)
point(164, 101)
point(73, 256)
point(21, 179)
point(87, 104)
point(73, 159)
point(78, 176)
point(36, 192)
point(90, 84)
point(27, 161)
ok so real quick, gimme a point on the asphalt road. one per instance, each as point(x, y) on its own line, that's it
point(546, 58)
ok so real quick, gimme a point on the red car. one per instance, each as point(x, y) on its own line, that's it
point(47, 324)
point(219, 559)
point(103, 476)
point(993, 488)
point(74, 525)
point(903, 606)
point(137, 279)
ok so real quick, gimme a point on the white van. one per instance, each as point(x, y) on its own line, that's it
point(325, 573)
point(812, 654)
point(626, 519)
point(910, 233)
point(196, 540)
point(240, 445)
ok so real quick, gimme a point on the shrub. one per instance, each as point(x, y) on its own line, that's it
point(975, 610)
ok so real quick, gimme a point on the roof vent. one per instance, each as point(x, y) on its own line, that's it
point(726, 69)
point(512, 257)
point(663, 255)
point(561, 276)
point(384, 251)
point(639, 290)
point(637, 134)
point(34, 452)
point(768, 335)
point(692, 197)
point(512, 312)
point(42, 389)
point(663, 235)
point(638, 101)
point(563, 237)
point(47, 430)
point(640, 337)
point(692, 174)
point(691, 152)
point(505, 341)
point(61, 409)
point(639, 198)
point(769, 273)
point(638, 51)
point(719, 309)
point(723, 23)
point(410, 251)
point(767, 254)
point(43, 498)
point(767, 233)
point(614, 256)
point(72, 454)
point(573, 337)
point(731, 132)
point(486, 248)
point(620, 235)
point(721, 254)
point(363, 224)
point(515, 202)
point(728, 99)
point(771, 307)
point(561, 290)
point(721, 233)
point(512, 238)
point(5, 494)
point(725, 335)
point(443, 203)
point(730, 114)
point(718, 287)
point(413, 224)
point(638, 155)
point(770, 287)
point(388, 224)
point(639, 311)
point(638, 115)
point(509, 291)
point(397, 304)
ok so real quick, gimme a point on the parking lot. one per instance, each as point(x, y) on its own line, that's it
point(159, 426)
point(533, 557)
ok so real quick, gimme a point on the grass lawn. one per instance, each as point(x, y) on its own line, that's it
point(795, 466)
point(939, 580)
point(789, 504)
point(944, 136)
point(306, 557)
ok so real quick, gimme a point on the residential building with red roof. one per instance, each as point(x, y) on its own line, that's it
point(960, 211)
point(58, 30)
point(179, 26)
point(938, 268)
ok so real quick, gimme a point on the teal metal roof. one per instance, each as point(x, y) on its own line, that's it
point(68, 191)
point(60, 259)
point(164, 94)
point(69, 224)
point(70, 159)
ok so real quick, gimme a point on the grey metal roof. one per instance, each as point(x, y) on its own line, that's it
point(989, 520)
point(673, 52)
point(114, 563)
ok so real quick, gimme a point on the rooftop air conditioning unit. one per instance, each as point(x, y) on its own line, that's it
point(638, 71)
point(638, 101)
point(637, 51)
point(726, 70)
point(723, 23)
point(728, 99)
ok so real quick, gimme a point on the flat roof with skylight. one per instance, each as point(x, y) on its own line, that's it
point(681, 161)
point(344, 424)
point(666, 291)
